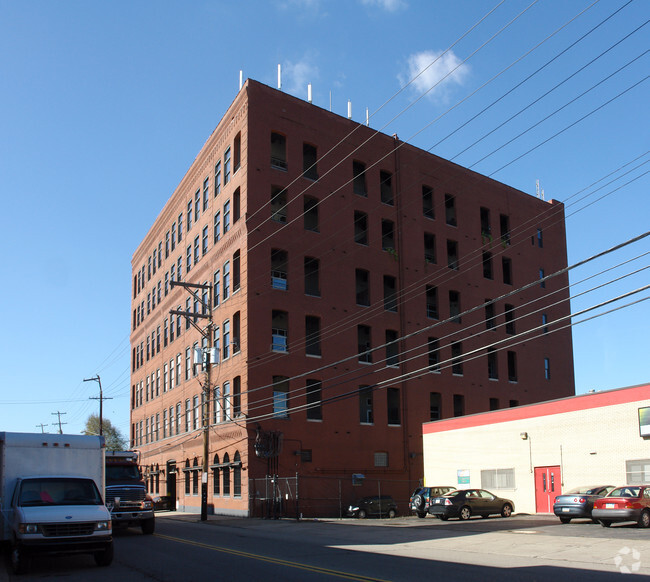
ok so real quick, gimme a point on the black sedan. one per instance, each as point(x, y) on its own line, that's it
point(467, 502)
point(579, 502)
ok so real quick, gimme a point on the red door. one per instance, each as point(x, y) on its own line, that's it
point(547, 487)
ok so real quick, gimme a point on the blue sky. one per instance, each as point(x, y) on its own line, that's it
point(104, 105)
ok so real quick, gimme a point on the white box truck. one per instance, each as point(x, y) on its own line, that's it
point(51, 497)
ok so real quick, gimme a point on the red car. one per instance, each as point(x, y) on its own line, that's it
point(628, 503)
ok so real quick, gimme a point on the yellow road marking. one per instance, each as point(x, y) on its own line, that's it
point(288, 563)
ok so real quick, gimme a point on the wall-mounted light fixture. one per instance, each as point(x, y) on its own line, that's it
point(523, 436)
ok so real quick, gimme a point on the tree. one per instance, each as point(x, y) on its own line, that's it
point(114, 439)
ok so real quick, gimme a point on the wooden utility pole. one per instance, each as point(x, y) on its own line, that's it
point(101, 401)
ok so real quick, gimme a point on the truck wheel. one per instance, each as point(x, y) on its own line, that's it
point(148, 526)
point(19, 559)
point(105, 557)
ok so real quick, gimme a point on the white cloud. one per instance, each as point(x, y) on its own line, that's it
point(296, 76)
point(388, 5)
point(435, 72)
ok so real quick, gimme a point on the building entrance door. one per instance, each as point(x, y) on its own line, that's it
point(171, 483)
point(547, 487)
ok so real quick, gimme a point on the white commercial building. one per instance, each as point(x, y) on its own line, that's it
point(531, 454)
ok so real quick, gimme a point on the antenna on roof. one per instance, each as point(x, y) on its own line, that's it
point(349, 109)
point(241, 79)
point(367, 117)
point(330, 101)
point(309, 92)
point(279, 76)
point(540, 193)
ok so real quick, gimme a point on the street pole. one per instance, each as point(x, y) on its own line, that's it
point(101, 401)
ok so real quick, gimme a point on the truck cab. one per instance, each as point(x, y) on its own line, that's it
point(126, 494)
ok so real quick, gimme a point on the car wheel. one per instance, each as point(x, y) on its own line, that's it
point(506, 510)
point(443, 517)
point(19, 559)
point(391, 513)
point(421, 515)
point(644, 519)
point(605, 523)
point(565, 519)
point(362, 514)
point(105, 557)
point(148, 526)
point(465, 513)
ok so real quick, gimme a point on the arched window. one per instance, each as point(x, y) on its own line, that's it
point(195, 477)
point(187, 476)
point(215, 476)
point(236, 475)
point(226, 475)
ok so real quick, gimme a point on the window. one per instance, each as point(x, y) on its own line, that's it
point(312, 276)
point(392, 348)
point(165, 378)
point(313, 392)
point(435, 406)
point(216, 344)
point(450, 210)
point(226, 403)
point(510, 318)
point(173, 236)
point(189, 216)
point(215, 476)
point(216, 411)
point(167, 245)
point(280, 397)
point(278, 151)
point(486, 229)
point(381, 459)
point(363, 343)
point(237, 152)
point(236, 475)
point(493, 371)
point(236, 396)
point(386, 187)
point(540, 238)
point(226, 216)
point(359, 178)
point(196, 416)
point(216, 288)
point(217, 178)
point(196, 250)
point(504, 222)
point(390, 293)
point(393, 406)
point(360, 227)
point(365, 405)
point(452, 254)
point(427, 202)
point(513, 403)
point(172, 421)
point(637, 472)
point(547, 369)
point(487, 265)
point(312, 335)
point(236, 206)
point(310, 214)
point(544, 322)
point(432, 302)
point(506, 265)
point(236, 332)
point(236, 270)
point(226, 280)
point(309, 168)
point(179, 360)
point(388, 235)
point(429, 248)
point(226, 340)
point(279, 330)
point(541, 276)
point(457, 358)
point(217, 227)
point(226, 475)
point(180, 227)
point(454, 306)
point(204, 241)
point(494, 404)
point(197, 205)
point(362, 281)
point(498, 479)
point(459, 405)
point(434, 354)
point(489, 315)
point(278, 204)
point(226, 166)
point(512, 366)
point(188, 415)
point(279, 259)
point(188, 259)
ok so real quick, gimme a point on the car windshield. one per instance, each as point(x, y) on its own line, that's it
point(120, 472)
point(625, 492)
point(58, 491)
point(453, 493)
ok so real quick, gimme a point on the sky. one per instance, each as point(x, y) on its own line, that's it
point(104, 106)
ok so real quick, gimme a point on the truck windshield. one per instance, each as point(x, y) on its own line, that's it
point(58, 491)
point(122, 472)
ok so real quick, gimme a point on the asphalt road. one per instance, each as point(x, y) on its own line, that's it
point(407, 548)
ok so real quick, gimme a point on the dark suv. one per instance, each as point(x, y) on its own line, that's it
point(419, 502)
point(378, 505)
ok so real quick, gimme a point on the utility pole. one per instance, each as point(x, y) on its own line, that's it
point(101, 401)
point(206, 333)
point(60, 423)
point(42, 427)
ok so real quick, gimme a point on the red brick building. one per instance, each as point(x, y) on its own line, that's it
point(354, 287)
